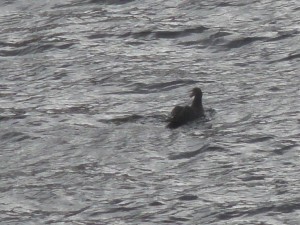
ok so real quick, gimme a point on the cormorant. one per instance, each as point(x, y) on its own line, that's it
point(183, 114)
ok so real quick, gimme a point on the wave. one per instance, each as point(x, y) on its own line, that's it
point(33, 49)
point(191, 154)
point(152, 34)
point(111, 2)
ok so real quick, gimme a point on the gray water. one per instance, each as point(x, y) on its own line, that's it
point(85, 91)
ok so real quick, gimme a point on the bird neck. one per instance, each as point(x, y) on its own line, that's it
point(197, 102)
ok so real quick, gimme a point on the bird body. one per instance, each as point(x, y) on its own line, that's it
point(181, 115)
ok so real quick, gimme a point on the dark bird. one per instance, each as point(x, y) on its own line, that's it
point(181, 115)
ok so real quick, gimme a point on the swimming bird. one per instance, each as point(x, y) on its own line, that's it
point(181, 115)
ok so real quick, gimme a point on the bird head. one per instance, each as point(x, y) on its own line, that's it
point(196, 92)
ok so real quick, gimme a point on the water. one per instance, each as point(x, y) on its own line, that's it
point(85, 90)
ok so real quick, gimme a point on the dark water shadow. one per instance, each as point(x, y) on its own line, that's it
point(134, 118)
point(15, 136)
point(111, 2)
point(287, 207)
point(165, 34)
point(284, 35)
point(142, 88)
point(191, 154)
point(290, 57)
point(240, 42)
point(33, 49)
point(12, 117)
point(188, 197)
point(212, 40)
point(13, 114)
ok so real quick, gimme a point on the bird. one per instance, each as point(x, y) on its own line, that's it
point(181, 115)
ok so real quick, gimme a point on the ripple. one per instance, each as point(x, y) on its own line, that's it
point(243, 41)
point(284, 35)
point(12, 117)
point(136, 118)
point(178, 219)
point(156, 203)
point(191, 154)
point(188, 197)
point(285, 146)
point(16, 136)
point(112, 2)
point(165, 34)
point(33, 49)
point(258, 139)
point(290, 57)
point(281, 208)
point(143, 88)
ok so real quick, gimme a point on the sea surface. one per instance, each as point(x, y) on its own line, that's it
point(86, 87)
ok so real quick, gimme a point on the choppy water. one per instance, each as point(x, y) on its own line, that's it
point(86, 86)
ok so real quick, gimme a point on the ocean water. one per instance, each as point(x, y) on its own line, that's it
point(85, 91)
